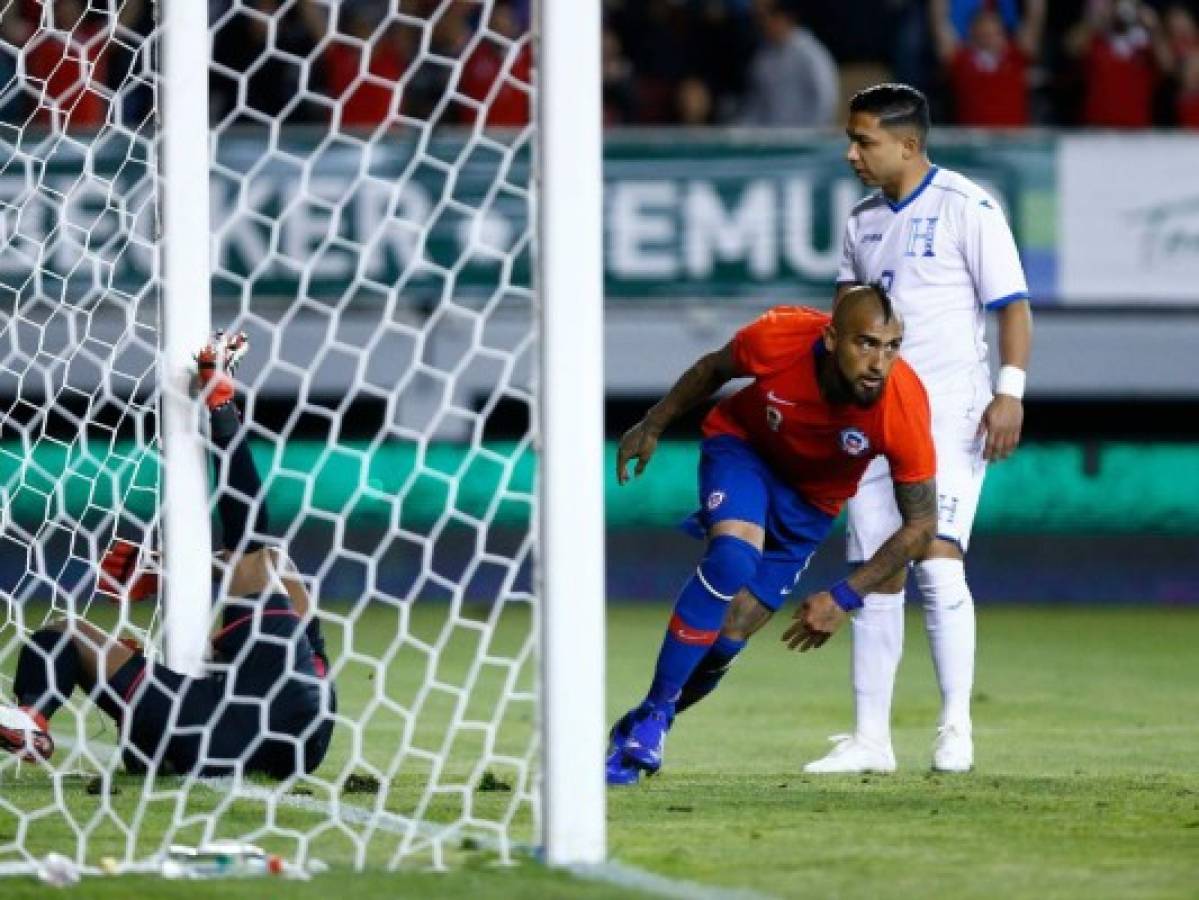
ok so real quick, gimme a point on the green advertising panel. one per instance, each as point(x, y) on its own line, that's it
point(721, 216)
point(1113, 488)
point(316, 217)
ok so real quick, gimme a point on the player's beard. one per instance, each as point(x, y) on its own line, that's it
point(840, 388)
point(865, 396)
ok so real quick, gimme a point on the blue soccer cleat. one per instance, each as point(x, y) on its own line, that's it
point(618, 771)
point(646, 739)
point(620, 731)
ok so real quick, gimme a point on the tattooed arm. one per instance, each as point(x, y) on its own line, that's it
point(706, 376)
point(820, 614)
point(918, 508)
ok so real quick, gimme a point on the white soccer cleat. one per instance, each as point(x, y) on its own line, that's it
point(853, 754)
point(953, 750)
point(25, 734)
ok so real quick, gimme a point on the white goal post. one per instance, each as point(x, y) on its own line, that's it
point(187, 323)
point(572, 396)
point(418, 266)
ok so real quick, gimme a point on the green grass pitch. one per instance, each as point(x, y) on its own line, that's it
point(1087, 729)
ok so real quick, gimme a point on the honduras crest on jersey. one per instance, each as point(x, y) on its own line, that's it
point(854, 441)
point(921, 233)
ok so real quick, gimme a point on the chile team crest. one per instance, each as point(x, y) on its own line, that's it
point(854, 441)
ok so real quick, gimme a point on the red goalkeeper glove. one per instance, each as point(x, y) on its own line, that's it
point(215, 365)
point(121, 575)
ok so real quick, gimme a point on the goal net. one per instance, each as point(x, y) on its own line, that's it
point(371, 172)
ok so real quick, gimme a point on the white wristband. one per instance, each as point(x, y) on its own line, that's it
point(1010, 382)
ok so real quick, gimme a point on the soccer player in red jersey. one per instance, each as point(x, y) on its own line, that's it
point(780, 457)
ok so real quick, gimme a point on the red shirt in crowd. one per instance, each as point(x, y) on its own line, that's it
point(1121, 78)
point(71, 67)
point(990, 90)
point(1188, 110)
point(363, 101)
point(821, 449)
point(510, 106)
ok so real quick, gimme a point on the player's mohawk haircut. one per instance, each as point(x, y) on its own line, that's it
point(896, 105)
point(884, 300)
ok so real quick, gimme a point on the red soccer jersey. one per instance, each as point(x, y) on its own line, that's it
point(990, 91)
point(1120, 85)
point(819, 448)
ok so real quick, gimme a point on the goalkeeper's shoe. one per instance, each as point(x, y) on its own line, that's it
point(216, 363)
point(646, 739)
point(24, 733)
point(126, 573)
point(953, 750)
point(854, 754)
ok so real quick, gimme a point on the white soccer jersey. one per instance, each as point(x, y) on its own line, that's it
point(944, 255)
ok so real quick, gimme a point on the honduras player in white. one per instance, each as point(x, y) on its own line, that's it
point(941, 247)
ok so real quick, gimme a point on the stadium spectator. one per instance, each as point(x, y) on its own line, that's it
point(502, 55)
point(1188, 92)
point(694, 103)
point(363, 94)
point(66, 65)
point(793, 81)
point(1182, 33)
point(617, 79)
point(1124, 54)
point(960, 14)
point(14, 99)
point(721, 40)
point(128, 54)
point(427, 85)
point(988, 72)
point(655, 36)
point(258, 51)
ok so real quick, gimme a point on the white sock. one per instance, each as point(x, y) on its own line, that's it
point(877, 647)
point(949, 620)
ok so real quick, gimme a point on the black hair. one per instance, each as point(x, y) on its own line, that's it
point(880, 294)
point(896, 105)
point(884, 300)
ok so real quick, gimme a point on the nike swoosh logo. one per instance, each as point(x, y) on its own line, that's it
point(773, 398)
point(685, 634)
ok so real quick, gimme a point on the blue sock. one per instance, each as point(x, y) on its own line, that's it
point(698, 614)
point(710, 670)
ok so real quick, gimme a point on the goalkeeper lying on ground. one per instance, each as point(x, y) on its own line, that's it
point(266, 705)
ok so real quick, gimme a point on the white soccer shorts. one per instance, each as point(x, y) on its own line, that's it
point(873, 515)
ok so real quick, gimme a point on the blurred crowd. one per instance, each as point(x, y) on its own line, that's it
point(988, 63)
point(371, 63)
point(355, 64)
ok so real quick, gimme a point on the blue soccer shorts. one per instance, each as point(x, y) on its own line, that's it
point(736, 483)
